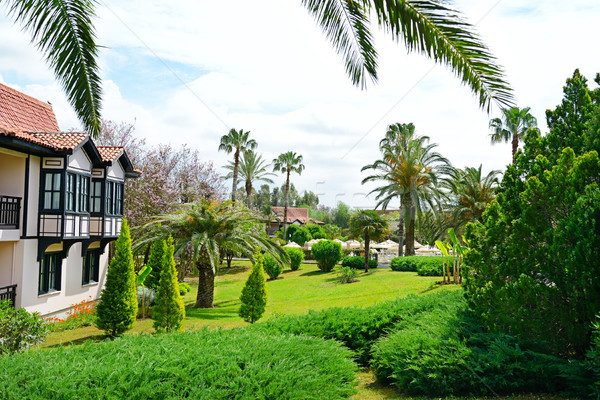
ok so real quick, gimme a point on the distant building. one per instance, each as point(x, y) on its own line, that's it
point(295, 216)
point(61, 203)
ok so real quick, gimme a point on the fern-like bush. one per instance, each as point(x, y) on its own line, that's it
point(347, 274)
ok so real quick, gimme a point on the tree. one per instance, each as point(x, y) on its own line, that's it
point(252, 169)
point(207, 227)
point(409, 170)
point(370, 225)
point(316, 231)
point(287, 163)
point(341, 215)
point(254, 293)
point(512, 127)
point(158, 250)
point(236, 142)
point(169, 311)
point(117, 308)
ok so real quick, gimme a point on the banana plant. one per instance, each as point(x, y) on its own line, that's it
point(461, 250)
point(445, 260)
point(146, 292)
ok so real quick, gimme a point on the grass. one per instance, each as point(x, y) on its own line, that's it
point(294, 292)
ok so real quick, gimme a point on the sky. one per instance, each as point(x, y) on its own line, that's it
point(187, 71)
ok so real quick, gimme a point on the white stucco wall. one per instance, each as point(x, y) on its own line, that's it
point(6, 263)
point(79, 162)
point(12, 174)
point(72, 291)
point(34, 196)
point(115, 171)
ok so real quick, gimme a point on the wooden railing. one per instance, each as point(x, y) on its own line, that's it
point(9, 212)
point(8, 293)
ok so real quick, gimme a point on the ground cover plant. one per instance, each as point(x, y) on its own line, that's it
point(204, 364)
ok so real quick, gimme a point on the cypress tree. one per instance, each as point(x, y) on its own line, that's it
point(254, 293)
point(169, 310)
point(117, 308)
point(158, 250)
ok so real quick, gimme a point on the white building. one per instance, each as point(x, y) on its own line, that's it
point(61, 203)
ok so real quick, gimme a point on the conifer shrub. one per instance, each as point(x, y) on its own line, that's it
point(118, 307)
point(169, 311)
point(184, 288)
point(296, 257)
point(271, 267)
point(327, 253)
point(254, 293)
point(19, 329)
point(158, 250)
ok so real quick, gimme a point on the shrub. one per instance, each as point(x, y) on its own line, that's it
point(155, 261)
point(272, 267)
point(19, 329)
point(358, 262)
point(347, 274)
point(254, 293)
point(118, 306)
point(296, 257)
point(429, 265)
point(327, 253)
point(300, 235)
point(403, 264)
point(358, 328)
point(307, 254)
point(184, 288)
point(316, 231)
point(430, 270)
point(203, 364)
point(593, 358)
point(169, 310)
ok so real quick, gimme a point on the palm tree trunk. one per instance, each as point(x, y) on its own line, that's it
point(206, 282)
point(401, 233)
point(285, 205)
point(236, 165)
point(410, 232)
point(248, 192)
point(367, 240)
point(515, 146)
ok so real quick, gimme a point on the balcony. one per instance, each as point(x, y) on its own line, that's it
point(8, 293)
point(10, 208)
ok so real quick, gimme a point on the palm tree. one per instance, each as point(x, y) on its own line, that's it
point(63, 31)
point(370, 225)
point(513, 125)
point(208, 227)
point(287, 163)
point(409, 174)
point(236, 142)
point(252, 169)
point(471, 192)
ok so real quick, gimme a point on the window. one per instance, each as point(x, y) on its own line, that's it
point(110, 190)
point(71, 192)
point(114, 198)
point(119, 199)
point(50, 269)
point(96, 205)
point(83, 184)
point(52, 191)
point(91, 266)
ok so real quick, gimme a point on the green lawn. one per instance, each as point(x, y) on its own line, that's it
point(294, 292)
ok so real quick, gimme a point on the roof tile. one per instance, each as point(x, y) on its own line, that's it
point(19, 111)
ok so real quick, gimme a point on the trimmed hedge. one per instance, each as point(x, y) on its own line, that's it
point(272, 267)
point(358, 262)
point(296, 257)
point(327, 253)
point(428, 265)
point(358, 328)
point(235, 364)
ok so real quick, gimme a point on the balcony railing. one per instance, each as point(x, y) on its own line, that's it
point(8, 293)
point(9, 212)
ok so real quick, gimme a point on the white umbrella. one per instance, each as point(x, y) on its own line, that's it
point(344, 245)
point(293, 244)
point(418, 245)
point(381, 245)
point(311, 242)
point(353, 244)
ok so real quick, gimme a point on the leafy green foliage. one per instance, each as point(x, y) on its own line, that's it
point(298, 234)
point(347, 274)
point(118, 306)
point(358, 328)
point(593, 358)
point(532, 269)
point(169, 310)
point(158, 250)
point(316, 231)
point(357, 262)
point(19, 329)
point(207, 364)
point(412, 263)
point(296, 257)
point(433, 269)
point(272, 267)
point(254, 293)
point(446, 351)
point(184, 288)
point(327, 253)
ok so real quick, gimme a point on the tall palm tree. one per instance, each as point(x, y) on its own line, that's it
point(208, 227)
point(370, 225)
point(252, 169)
point(513, 125)
point(236, 142)
point(63, 31)
point(287, 163)
point(471, 192)
point(410, 174)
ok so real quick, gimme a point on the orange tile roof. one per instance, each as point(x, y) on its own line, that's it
point(55, 141)
point(109, 153)
point(19, 111)
point(300, 214)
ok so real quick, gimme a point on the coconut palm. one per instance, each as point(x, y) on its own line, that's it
point(369, 225)
point(252, 169)
point(208, 227)
point(512, 127)
point(236, 142)
point(471, 192)
point(287, 163)
point(63, 31)
point(409, 174)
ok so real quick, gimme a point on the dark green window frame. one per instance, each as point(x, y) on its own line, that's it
point(52, 190)
point(50, 273)
point(96, 196)
point(91, 267)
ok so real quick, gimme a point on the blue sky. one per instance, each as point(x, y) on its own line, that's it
point(265, 66)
